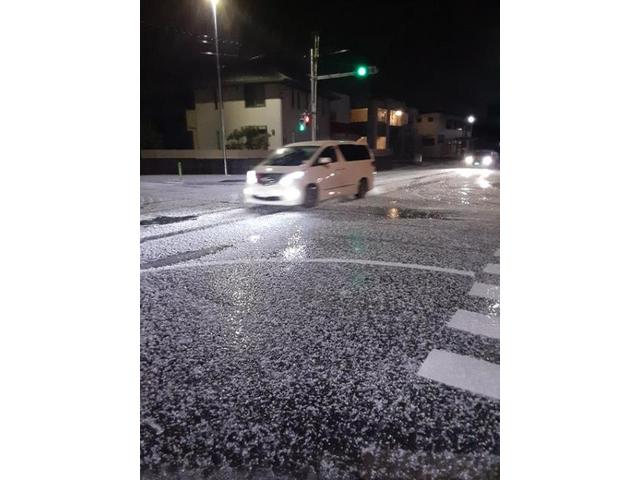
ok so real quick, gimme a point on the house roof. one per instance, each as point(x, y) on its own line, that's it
point(262, 74)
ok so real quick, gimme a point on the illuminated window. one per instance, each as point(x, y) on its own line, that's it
point(381, 143)
point(397, 120)
point(359, 115)
point(382, 115)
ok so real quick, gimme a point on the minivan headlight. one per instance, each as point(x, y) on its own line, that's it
point(252, 177)
point(486, 160)
point(289, 178)
point(468, 159)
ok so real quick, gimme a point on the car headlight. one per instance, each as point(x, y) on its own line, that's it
point(487, 160)
point(251, 177)
point(289, 178)
point(468, 159)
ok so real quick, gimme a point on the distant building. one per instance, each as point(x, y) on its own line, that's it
point(443, 135)
point(389, 126)
point(268, 100)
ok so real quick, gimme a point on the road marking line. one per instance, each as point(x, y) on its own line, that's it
point(462, 371)
point(492, 268)
point(412, 266)
point(485, 290)
point(475, 323)
point(497, 253)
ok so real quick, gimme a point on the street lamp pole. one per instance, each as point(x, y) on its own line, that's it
point(471, 120)
point(214, 4)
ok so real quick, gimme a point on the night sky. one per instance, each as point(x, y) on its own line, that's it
point(435, 55)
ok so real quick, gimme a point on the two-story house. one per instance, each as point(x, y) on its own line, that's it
point(443, 135)
point(267, 99)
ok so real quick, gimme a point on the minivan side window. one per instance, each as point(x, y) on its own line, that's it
point(353, 153)
point(328, 152)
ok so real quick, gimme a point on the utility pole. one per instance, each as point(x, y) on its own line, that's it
point(314, 55)
point(214, 3)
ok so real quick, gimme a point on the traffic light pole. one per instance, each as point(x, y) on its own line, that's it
point(315, 53)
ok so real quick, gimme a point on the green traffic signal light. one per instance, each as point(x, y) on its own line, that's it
point(301, 126)
point(362, 71)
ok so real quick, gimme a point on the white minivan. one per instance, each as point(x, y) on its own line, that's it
point(306, 173)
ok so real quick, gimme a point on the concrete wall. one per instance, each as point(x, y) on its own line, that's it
point(165, 162)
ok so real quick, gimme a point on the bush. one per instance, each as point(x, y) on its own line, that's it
point(249, 138)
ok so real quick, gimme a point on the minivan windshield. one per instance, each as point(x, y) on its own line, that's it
point(290, 156)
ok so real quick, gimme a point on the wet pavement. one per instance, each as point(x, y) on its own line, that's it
point(295, 343)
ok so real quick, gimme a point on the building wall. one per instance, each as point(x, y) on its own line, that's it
point(236, 115)
point(437, 139)
point(439, 125)
point(283, 108)
point(341, 109)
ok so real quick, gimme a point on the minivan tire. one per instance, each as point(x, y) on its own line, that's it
point(363, 188)
point(311, 196)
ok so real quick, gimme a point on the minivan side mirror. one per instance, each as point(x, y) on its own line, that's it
point(324, 160)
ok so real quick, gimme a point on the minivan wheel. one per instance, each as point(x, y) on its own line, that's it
point(363, 187)
point(311, 196)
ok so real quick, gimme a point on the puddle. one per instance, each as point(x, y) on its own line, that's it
point(167, 220)
point(183, 257)
point(394, 213)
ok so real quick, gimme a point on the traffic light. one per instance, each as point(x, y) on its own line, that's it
point(304, 121)
point(365, 70)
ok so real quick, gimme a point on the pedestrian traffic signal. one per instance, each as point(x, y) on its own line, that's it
point(305, 120)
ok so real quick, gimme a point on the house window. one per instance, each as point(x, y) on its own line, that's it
point(254, 95)
point(419, 119)
point(430, 119)
point(359, 115)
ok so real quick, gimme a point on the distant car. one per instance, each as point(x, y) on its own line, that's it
point(306, 173)
point(482, 158)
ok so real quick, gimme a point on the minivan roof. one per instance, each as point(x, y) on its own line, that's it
point(322, 143)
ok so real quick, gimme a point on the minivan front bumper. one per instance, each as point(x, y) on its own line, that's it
point(273, 195)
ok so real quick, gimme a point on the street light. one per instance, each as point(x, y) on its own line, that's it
point(470, 119)
point(214, 5)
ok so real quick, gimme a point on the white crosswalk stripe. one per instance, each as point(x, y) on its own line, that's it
point(476, 323)
point(493, 268)
point(462, 371)
point(485, 290)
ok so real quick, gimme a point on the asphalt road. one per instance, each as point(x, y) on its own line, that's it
point(358, 339)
